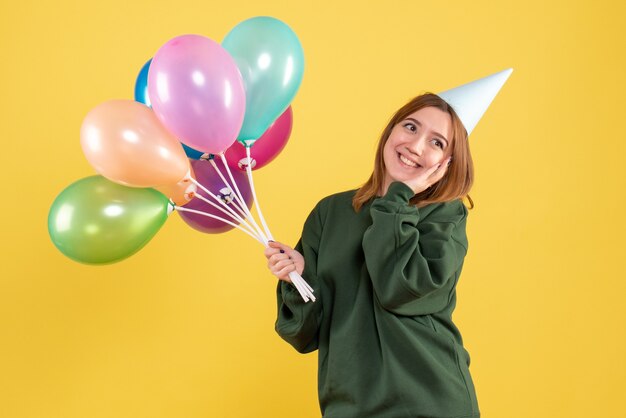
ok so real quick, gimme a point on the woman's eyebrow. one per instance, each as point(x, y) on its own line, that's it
point(417, 122)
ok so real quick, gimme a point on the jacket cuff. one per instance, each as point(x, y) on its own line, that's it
point(398, 192)
point(289, 293)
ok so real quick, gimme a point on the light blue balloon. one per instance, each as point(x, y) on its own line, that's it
point(141, 85)
point(271, 61)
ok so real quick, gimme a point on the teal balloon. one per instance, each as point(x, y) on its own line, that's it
point(271, 61)
point(96, 221)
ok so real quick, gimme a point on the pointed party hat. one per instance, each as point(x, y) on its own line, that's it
point(471, 100)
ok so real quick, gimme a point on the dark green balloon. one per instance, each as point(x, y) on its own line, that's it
point(96, 221)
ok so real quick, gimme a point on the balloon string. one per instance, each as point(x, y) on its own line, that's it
point(300, 289)
point(182, 209)
point(230, 174)
point(256, 201)
point(232, 215)
point(241, 221)
point(301, 285)
point(305, 291)
point(237, 203)
point(238, 194)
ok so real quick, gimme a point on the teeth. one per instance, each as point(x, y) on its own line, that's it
point(407, 161)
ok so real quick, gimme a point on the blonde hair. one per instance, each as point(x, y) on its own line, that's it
point(459, 177)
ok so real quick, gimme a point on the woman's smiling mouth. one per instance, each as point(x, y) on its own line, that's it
point(405, 161)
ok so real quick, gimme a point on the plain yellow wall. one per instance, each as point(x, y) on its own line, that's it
point(184, 328)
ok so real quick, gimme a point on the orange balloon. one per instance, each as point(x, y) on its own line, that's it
point(125, 142)
point(182, 192)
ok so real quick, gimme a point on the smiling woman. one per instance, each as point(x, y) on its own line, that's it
point(426, 132)
point(384, 261)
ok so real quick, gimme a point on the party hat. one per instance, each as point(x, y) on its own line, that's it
point(471, 100)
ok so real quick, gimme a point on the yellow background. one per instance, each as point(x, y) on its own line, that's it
point(184, 328)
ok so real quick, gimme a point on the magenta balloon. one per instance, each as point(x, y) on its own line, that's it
point(208, 177)
point(197, 92)
point(264, 149)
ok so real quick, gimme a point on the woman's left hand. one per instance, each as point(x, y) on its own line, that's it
point(428, 177)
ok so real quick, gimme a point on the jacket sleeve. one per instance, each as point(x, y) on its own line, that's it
point(298, 321)
point(413, 263)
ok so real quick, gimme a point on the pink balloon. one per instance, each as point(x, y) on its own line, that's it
point(208, 177)
point(197, 92)
point(264, 149)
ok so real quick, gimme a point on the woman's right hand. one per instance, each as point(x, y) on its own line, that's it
point(282, 259)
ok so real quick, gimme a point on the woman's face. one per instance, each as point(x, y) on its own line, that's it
point(417, 143)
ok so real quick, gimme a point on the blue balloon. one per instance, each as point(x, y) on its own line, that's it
point(192, 153)
point(141, 85)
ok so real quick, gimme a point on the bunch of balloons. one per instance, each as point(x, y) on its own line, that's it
point(196, 102)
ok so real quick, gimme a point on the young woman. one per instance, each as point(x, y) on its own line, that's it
point(384, 261)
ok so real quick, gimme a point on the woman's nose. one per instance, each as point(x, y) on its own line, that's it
point(416, 147)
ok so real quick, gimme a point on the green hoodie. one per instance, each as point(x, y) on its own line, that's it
point(385, 282)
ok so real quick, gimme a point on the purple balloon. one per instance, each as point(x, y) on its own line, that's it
point(208, 177)
point(197, 92)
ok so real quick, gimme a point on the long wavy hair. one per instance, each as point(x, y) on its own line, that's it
point(459, 177)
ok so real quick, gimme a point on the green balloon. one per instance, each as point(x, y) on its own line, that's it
point(271, 62)
point(96, 221)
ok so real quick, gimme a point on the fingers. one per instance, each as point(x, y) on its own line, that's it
point(279, 261)
point(275, 258)
point(282, 268)
point(279, 245)
point(268, 252)
point(275, 248)
point(437, 171)
point(283, 263)
point(284, 273)
point(431, 171)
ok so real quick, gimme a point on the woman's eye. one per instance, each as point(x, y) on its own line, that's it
point(410, 126)
point(438, 143)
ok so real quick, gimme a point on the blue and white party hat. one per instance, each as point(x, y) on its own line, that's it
point(471, 100)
